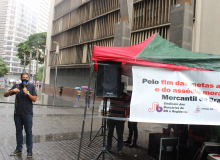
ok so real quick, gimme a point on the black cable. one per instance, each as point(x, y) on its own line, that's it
point(93, 111)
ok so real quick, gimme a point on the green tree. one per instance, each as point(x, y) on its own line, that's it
point(34, 40)
point(40, 73)
point(3, 68)
point(1, 59)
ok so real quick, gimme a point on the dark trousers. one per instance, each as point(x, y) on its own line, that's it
point(120, 131)
point(27, 122)
point(193, 146)
point(133, 129)
point(88, 101)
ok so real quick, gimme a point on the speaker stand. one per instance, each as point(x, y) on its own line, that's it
point(96, 135)
point(104, 150)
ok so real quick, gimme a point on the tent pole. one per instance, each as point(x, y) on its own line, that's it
point(93, 110)
point(84, 119)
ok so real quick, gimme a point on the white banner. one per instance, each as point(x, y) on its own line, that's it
point(170, 96)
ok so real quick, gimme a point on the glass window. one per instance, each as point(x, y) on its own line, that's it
point(7, 63)
point(16, 64)
point(8, 53)
point(14, 69)
point(10, 32)
point(7, 58)
point(9, 43)
point(8, 48)
point(15, 59)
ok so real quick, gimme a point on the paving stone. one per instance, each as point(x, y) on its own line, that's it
point(57, 131)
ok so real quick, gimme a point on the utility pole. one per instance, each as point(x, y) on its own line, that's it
point(45, 65)
point(30, 58)
point(36, 65)
point(36, 68)
point(24, 61)
point(55, 78)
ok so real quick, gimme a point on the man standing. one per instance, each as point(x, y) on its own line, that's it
point(119, 107)
point(197, 135)
point(23, 112)
point(89, 98)
point(132, 126)
point(61, 91)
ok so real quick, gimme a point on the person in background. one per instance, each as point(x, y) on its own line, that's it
point(79, 93)
point(90, 95)
point(132, 126)
point(39, 85)
point(197, 135)
point(179, 130)
point(61, 91)
point(23, 112)
point(119, 107)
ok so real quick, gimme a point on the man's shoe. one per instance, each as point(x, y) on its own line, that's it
point(132, 145)
point(29, 154)
point(127, 141)
point(16, 152)
point(109, 150)
point(120, 153)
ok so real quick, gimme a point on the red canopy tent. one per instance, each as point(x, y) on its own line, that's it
point(127, 55)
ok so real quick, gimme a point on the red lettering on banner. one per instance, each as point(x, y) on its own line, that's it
point(157, 89)
point(165, 82)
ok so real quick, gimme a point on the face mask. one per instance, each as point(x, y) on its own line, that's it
point(24, 81)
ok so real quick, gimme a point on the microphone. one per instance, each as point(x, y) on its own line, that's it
point(24, 83)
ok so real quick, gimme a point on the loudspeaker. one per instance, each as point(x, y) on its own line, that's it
point(108, 79)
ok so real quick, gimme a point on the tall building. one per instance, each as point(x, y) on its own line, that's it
point(44, 6)
point(19, 19)
point(80, 24)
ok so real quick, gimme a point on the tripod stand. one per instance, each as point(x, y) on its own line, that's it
point(104, 150)
point(100, 129)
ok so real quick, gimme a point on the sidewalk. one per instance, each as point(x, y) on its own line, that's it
point(57, 131)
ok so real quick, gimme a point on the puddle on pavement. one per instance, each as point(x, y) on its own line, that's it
point(46, 100)
point(47, 138)
point(43, 99)
point(56, 115)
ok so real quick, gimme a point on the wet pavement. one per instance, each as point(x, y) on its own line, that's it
point(57, 131)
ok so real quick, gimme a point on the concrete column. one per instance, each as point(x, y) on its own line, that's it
point(181, 25)
point(85, 53)
point(49, 40)
point(123, 29)
point(206, 28)
point(122, 34)
point(95, 29)
point(126, 8)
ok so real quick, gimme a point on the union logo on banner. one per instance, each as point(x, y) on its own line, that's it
point(155, 106)
point(198, 110)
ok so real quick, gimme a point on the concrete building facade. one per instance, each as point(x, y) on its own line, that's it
point(80, 24)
